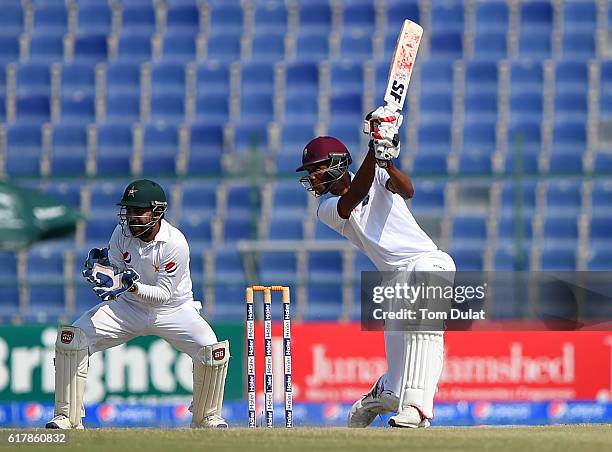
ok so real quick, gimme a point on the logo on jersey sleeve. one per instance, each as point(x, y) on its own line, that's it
point(170, 267)
point(127, 257)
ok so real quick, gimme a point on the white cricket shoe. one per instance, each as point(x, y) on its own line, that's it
point(212, 421)
point(62, 422)
point(409, 417)
point(377, 401)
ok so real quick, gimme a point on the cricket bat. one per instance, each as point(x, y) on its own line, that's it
point(402, 63)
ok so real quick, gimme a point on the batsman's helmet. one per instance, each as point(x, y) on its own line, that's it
point(328, 150)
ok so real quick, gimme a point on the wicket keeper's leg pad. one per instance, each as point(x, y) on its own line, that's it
point(209, 373)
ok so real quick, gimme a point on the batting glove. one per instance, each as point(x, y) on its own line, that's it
point(95, 256)
point(383, 125)
point(112, 287)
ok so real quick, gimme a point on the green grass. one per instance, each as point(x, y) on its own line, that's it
point(498, 439)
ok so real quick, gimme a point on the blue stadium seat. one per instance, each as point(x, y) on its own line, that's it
point(600, 230)
point(199, 197)
point(271, 17)
point(168, 107)
point(95, 17)
point(183, 18)
point(78, 78)
point(603, 163)
point(294, 136)
point(2, 109)
point(363, 264)
point(569, 106)
point(526, 106)
point(33, 78)
point(434, 136)
point(430, 163)
point(429, 198)
point(223, 46)
point(560, 228)
point(45, 265)
point(227, 17)
point(302, 109)
point(324, 302)
point(229, 302)
point(242, 200)
point(571, 75)
point(123, 78)
point(257, 78)
point(564, 196)
point(302, 77)
point(579, 44)
point(347, 132)
point(67, 192)
point(179, 47)
point(212, 77)
point(347, 105)
point(9, 49)
point(277, 266)
point(436, 75)
point(51, 17)
point(228, 266)
point(196, 266)
point(69, 149)
point(312, 46)
point(346, 76)
point(600, 260)
point(356, 44)
point(138, 16)
point(518, 195)
point(285, 228)
point(481, 76)
point(206, 148)
point(289, 198)
point(315, 16)
point(24, 149)
point(197, 229)
point(436, 105)
point(84, 299)
point(325, 266)
point(447, 16)
point(359, 15)
point(257, 107)
point(535, 44)
point(469, 228)
point(524, 143)
point(479, 136)
point(99, 229)
point(8, 267)
point(511, 228)
point(480, 107)
point(558, 259)
point(45, 47)
point(526, 75)
point(160, 148)
point(114, 148)
point(251, 136)
point(11, 19)
point(579, 15)
point(605, 105)
point(168, 78)
point(468, 257)
point(78, 107)
point(104, 195)
point(477, 161)
point(123, 106)
point(398, 10)
point(507, 259)
point(268, 46)
point(491, 45)
point(492, 16)
point(537, 15)
point(90, 48)
point(446, 44)
point(212, 108)
point(569, 136)
point(601, 196)
point(134, 47)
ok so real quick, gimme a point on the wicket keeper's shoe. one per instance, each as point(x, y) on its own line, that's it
point(377, 401)
point(62, 422)
point(409, 417)
point(212, 421)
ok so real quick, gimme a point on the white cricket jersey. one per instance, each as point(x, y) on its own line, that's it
point(163, 266)
point(381, 226)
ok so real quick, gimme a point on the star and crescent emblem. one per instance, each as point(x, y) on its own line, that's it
point(132, 192)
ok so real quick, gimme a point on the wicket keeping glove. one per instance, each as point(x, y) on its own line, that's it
point(111, 287)
point(95, 256)
point(383, 125)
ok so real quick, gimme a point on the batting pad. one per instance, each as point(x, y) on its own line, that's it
point(424, 354)
point(71, 365)
point(209, 373)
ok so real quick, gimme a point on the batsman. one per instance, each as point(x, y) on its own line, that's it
point(369, 209)
point(144, 285)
